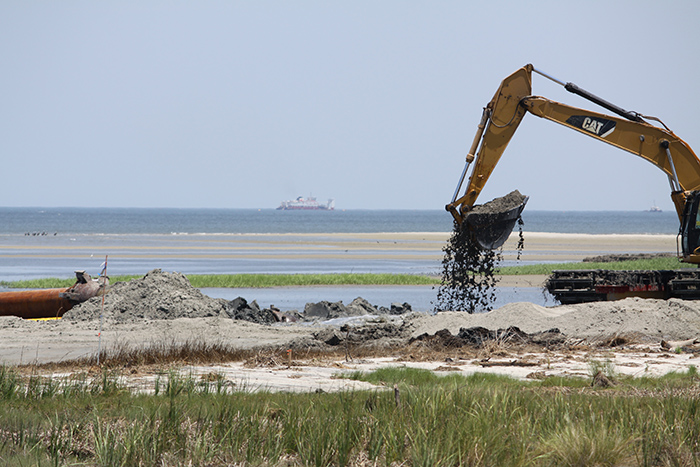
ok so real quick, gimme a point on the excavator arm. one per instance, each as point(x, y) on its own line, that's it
point(628, 131)
point(657, 145)
point(500, 119)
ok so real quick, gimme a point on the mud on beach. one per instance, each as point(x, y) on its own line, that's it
point(519, 339)
point(162, 297)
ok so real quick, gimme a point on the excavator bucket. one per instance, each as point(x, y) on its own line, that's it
point(490, 224)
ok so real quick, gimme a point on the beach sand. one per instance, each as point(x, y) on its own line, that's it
point(403, 252)
point(539, 246)
point(27, 342)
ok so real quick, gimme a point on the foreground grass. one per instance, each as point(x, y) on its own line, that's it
point(426, 421)
point(296, 280)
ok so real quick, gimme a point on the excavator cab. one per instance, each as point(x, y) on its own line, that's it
point(690, 228)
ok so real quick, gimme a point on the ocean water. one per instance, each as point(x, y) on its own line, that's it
point(54, 242)
point(90, 221)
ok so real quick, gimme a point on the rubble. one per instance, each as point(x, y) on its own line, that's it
point(239, 308)
point(162, 295)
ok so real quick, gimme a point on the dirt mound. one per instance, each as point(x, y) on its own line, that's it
point(325, 310)
point(497, 205)
point(671, 319)
point(478, 336)
point(157, 295)
point(625, 257)
point(381, 332)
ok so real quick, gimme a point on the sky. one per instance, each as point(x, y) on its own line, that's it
point(243, 104)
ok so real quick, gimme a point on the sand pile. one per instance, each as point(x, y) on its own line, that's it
point(165, 296)
point(648, 319)
point(498, 205)
point(158, 295)
point(168, 296)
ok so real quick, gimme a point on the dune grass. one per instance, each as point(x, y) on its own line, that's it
point(425, 421)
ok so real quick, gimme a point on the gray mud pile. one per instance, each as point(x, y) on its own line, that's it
point(359, 307)
point(479, 336)
point(502, 204)
point(161, 295)
point(468, 280)
point(158, 295)
point(615, 258)
point(383, 332)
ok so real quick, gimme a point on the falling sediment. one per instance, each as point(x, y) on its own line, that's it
point(468, 280)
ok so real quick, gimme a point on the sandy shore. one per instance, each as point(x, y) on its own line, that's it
point(650, 321)
point(539, 246)
point(556, 247)
point(417, 246)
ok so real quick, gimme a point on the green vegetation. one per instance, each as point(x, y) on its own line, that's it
point(290, 280)
point(256, 280)
point(297, 280)
point(426, 421)
point(656, 264)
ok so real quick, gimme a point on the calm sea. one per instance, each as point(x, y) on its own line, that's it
point(72, 221)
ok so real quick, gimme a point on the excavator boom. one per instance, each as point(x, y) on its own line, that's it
point(500, 119)
point(657, 145)
point(629, 131)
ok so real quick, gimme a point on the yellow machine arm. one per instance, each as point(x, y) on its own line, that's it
point(630, 132)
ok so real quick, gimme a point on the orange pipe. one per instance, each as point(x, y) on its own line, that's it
point(31, 304)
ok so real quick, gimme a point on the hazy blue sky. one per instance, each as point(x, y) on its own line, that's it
point(374, 103)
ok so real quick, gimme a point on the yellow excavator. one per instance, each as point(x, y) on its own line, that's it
point(629, 131)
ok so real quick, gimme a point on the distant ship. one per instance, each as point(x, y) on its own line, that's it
point(308, 204)
point(654, 208)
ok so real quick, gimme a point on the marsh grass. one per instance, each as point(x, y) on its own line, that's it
point(642, 264)
point(455, 420)
point(254, 280)
point(300, 280)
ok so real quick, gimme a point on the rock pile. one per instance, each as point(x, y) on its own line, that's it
point(359, 307)
point(239, 308)
point(162, 295)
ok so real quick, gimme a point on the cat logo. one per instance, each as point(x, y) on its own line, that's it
point(600, 127)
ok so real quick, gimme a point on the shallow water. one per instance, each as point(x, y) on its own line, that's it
point(25, 257)
point(421, 298)
point(226, 241)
